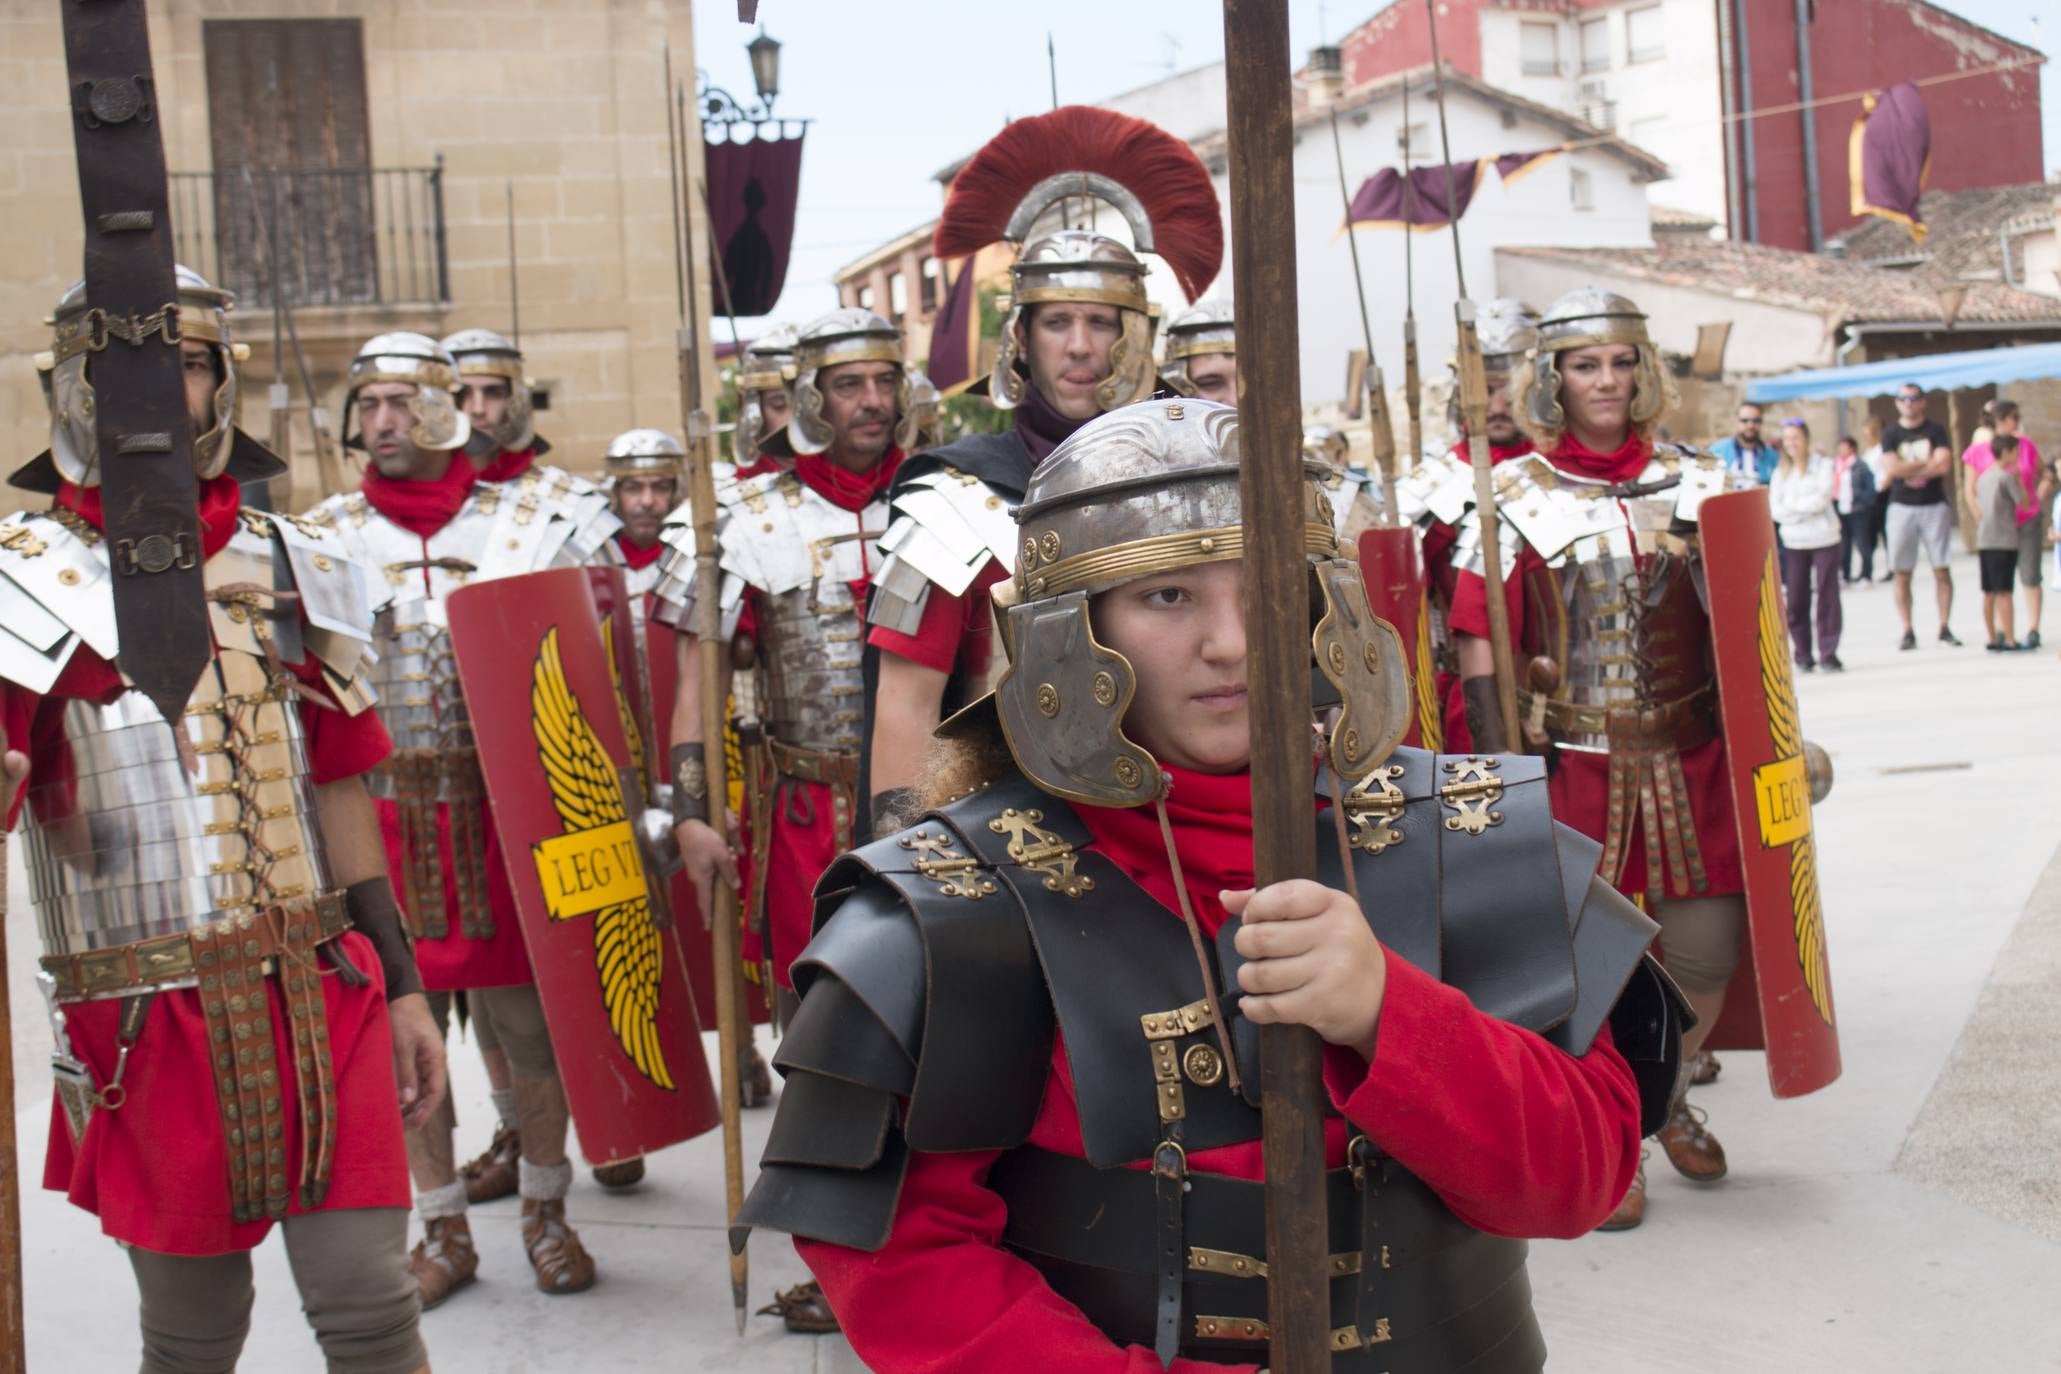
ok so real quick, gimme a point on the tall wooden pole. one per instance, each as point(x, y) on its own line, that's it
point(1473, 381)
point(13, 1359)
point(1413, 387)
point(1379, 424)
point(1262, 200)
point(699, 433)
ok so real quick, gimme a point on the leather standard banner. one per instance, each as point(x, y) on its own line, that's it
point(549, 719)
point(1790, 967)
point(1392, 565)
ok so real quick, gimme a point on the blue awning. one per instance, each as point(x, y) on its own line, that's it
point(1933, 371)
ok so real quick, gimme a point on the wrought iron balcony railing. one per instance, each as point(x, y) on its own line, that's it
point(339, 236)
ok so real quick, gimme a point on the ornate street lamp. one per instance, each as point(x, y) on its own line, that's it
point(765, 66)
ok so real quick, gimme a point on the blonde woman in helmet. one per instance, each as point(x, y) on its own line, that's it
point(1024, 1072)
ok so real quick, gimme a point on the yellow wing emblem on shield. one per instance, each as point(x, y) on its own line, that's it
point(629, 951)
point(1431, 725)
point(1785, 725)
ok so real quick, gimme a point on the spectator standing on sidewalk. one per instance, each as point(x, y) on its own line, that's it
point(1801, 499)
point(2036, 490)
point(1745, 452)
point(1997, 492)
point(1853, 495)
point(1917, 456)
point(1878, 509)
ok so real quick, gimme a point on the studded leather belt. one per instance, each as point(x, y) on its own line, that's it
point(832, 767)
point(231, 961)
point(1685, 722)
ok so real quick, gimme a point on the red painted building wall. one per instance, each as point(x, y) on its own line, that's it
point(1985, 129)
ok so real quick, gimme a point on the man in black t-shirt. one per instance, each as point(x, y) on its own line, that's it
point(1917, 456)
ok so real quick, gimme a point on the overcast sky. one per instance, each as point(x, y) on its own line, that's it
point(899, 90)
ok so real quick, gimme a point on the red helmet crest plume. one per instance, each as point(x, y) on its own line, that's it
point(1170, 187)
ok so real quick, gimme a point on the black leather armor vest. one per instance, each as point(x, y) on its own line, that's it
point(946, 955)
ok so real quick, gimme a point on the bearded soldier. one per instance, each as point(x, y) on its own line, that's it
point(799, 550)
point(231, 991)
point(425, 525)
point(1077, 341)
point(1606, 578)
point(1202, 353)
point(499, 404)
point(1021, 1127)
point(762, 378)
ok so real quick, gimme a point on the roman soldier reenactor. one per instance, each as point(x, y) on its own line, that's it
point(1020, 1129)
point(1612, 580)
point(231, 991)
point(1077, 341)
point(762, 378)
point(425, 524)
point(500, 405)
point(798, 551)
point(1508, 330)
point(1202, 353)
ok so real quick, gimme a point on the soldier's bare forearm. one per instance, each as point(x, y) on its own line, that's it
point(357, 864)
point(908, 703)
point(687, 694)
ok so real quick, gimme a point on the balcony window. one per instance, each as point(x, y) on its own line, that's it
point(897, 296)
point(1538, 48)
point(930, 285)
point(1596, 45)
point(1581, 189)
point(1645, 39)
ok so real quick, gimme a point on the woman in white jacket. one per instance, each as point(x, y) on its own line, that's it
point(1801, 499)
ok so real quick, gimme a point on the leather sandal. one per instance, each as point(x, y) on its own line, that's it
point(756, 1079)
point(1704, 1068)
point(804, 1308)
point(494, 1174)
point(1632, 1210)
point(624, 1173)
point(562, 1263)
point(1690, 1146)
point(444, 1260)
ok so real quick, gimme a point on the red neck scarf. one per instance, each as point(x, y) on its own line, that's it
point(639, 555)
point(1622, 464)
point(1211, 816)
point(1039, 426)
point(218, 502)
point(421, 507)
point(840, 486)
point(506, 465)
point(1498, 453)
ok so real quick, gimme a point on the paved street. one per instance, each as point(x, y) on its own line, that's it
point(1908, 1218)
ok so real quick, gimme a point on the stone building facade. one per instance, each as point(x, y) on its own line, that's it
point(406, 128)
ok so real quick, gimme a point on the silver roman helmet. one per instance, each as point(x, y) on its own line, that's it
point(644, 452)
point(1508, 330)
point(1584, 318)
point(425, 364)
point(1198, 330)
point(768, 365)
point(1151, 487)
point(482, 352)
point(926, 413)
point(845, 335)
point(79, 332)
point(1075, 155)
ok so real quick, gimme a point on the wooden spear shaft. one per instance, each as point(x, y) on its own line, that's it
point(1380, 426)
point(1473, 381)
point(13, 1359)
point(1262, 202)
point(708, 632)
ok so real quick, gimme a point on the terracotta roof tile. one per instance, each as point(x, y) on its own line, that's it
point(1961, 231)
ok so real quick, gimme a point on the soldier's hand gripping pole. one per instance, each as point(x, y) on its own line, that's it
point(1473, 379)
point(708, 630)
point(1277, 628)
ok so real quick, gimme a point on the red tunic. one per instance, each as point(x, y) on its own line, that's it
point(156, 1170)
point(1517, 1137)
point(1580, 782)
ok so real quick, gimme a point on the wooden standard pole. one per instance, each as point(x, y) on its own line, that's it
point(1262, 204)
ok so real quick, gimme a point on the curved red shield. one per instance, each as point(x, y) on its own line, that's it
point(1392, 565)
point(544, 705)
point(1790, 968)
